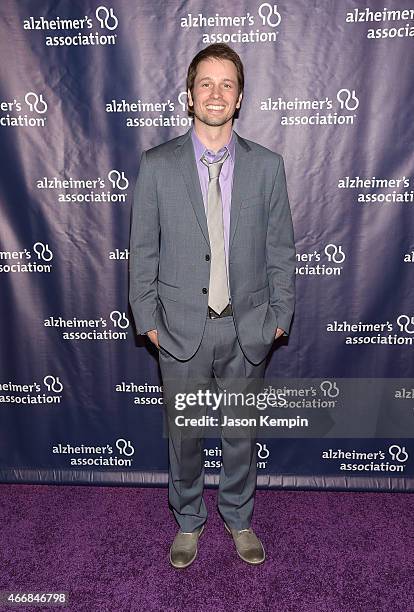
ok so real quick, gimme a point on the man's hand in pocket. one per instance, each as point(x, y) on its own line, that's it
point(153, 336)
point(279, 332)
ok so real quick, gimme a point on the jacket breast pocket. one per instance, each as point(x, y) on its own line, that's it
point(251, 202)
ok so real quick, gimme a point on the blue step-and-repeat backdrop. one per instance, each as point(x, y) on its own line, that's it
point(86, 86)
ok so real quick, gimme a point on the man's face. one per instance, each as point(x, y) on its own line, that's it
point(215, 97)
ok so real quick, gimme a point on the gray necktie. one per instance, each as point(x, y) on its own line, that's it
point(218, 293)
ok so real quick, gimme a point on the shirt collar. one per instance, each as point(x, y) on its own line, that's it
point(200, 148)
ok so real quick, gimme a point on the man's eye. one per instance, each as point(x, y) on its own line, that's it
point(205, 84)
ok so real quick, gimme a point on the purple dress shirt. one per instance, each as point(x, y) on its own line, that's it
point(225, 180)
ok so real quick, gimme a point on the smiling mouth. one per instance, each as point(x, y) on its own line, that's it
point(215, 107)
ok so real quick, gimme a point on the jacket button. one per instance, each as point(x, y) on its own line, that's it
point(207, 257)
point(204, 289)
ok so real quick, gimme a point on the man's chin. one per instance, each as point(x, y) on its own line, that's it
point(215, 121)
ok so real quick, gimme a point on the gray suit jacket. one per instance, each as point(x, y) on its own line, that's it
point(169, 245)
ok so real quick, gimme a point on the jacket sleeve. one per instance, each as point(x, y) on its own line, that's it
point(280, 252)
point(144, 249)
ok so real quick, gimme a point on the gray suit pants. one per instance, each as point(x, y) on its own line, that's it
point(219, 359)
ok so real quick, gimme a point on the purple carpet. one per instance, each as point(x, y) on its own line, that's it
point(108, 548)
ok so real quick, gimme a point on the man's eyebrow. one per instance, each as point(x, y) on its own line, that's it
point(209, 78)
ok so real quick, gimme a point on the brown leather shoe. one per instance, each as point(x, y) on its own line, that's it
point(183, 550)
point(248, 546)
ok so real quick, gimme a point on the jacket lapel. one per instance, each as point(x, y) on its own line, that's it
point(187, 162)
point(242, 179)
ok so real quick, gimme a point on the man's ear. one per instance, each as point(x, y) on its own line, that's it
point(189, 98)
point(239, 100)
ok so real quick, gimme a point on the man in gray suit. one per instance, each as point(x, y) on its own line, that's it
point(212, 262)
